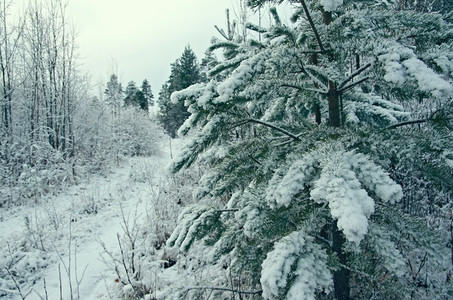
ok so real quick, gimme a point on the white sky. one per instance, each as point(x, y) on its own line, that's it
point(142, 37)
point(138, 39)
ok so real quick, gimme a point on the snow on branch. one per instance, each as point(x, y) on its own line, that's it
point(190, 226)
point(349, 203)
point(256, 28)
point(193, 91)
point(223, 289)
point(241, 76)
point(331, 5)
point(343, 180)
point(402, 65)
point(282, 189)
point(298, 261)
point(270, 125)
point(370, 106)
point(356, 73)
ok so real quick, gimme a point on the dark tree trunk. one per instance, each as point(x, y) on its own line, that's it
point(318, 114)
point(340, 277)
point(314, 61)
point(334, 105)
point(327, 17)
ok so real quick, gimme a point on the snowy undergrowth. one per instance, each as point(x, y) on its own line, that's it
point(105, 238)
point(101, 239)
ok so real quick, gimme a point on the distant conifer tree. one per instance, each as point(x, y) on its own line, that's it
point(147, 93)
point(185, 71)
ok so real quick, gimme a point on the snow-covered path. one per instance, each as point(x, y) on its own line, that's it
point(76, 226)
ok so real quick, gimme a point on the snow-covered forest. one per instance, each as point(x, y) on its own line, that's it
point(308, 157)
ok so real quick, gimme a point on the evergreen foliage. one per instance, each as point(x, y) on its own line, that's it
point(131, 94)
point(326, 149)
point(136, 97)
point(114, 93)
point(148, 96)
point(185, 71)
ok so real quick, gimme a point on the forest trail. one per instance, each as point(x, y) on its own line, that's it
point(77, 225)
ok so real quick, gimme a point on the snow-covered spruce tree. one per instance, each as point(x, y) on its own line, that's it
point(327, 144)
point(148, 97)
point(185, 71)
point(114, 94)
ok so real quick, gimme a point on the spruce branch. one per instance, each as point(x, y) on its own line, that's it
point(312, 52)
point(256, 28)
point(270, 125)
point(353, 84)
point(222, 32)
point(357, 72)
point(289, 85)
point(316, 80)
point(228, 210)
point(420, 121)
point(407, 123)
point(312, 25)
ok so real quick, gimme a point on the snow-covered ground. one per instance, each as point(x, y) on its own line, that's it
point(57, 246)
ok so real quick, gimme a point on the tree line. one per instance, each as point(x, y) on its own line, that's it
point(133, 96)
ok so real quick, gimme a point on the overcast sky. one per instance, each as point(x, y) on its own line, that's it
point(142, 37)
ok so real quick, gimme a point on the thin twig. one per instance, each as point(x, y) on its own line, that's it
point(312, 52)
point(413, 122)
point(228, 210)
point(353, 84)
point(126, 270)
point(258, 292)
point(301, 88)
point(357, 72)
point(358, 272)
point(316, 80)
point(17, 285)
point(270, 125)
point(45, 290)
point(231, 282)
point(61, 283)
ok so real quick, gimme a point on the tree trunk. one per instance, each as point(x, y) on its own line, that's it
point(333, 100)
point(340, 277)
point(314, 61)
point(318, 114)
point(327, 17)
